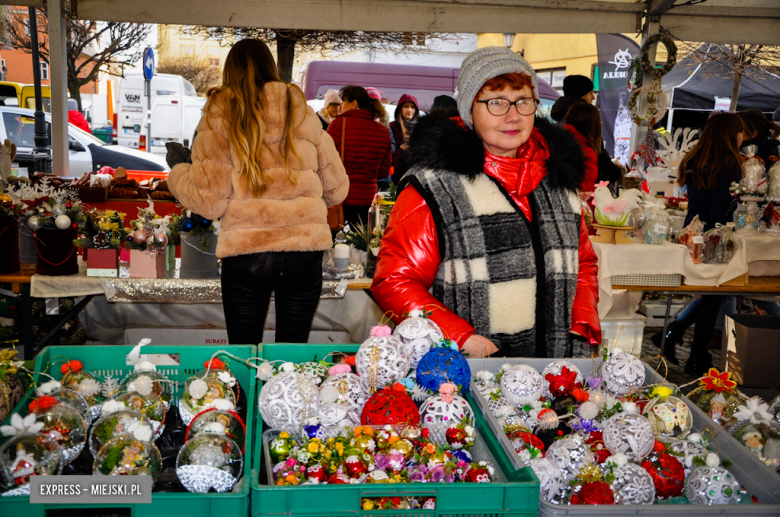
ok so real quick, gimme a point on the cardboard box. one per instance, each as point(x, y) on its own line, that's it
point(655, 310)
point(103, 263)
point(751, 349)
point(143, 265)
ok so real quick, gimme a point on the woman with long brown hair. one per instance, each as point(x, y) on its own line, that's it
point(585, 120)
point(262, 163)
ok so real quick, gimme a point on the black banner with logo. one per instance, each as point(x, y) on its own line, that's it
point(616, 53)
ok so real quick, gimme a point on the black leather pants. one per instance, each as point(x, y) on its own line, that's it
point(247, 284)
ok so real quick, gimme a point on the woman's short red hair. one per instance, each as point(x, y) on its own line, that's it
point(513, 81)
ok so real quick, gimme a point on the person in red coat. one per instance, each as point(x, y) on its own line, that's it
point(367, 150)
point(487, 232)
point(75, 117)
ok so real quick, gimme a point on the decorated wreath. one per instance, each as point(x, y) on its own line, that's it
point(671, 55)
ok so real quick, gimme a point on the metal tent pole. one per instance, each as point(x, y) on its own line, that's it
point(41, 150)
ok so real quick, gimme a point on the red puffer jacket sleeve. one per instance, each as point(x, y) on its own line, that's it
point(584, 312)
point(407, 264)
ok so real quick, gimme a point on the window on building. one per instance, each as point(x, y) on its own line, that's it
point(26, 26)
point(213, 51)
point(214, 62)
point(554, 77)
point(187, 31)
point(188, 50)
point(44, 70)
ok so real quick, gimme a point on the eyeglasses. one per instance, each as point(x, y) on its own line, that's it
point(500, 107)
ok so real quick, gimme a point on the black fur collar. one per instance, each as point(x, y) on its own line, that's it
point(439, 143)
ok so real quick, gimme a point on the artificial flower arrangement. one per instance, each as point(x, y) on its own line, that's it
point(46, 206)
point(126, 455)
point(214, 387)
point(102, 233)
point(196, 226)
point(148, 242)
point(12, 382)
point(10, 206)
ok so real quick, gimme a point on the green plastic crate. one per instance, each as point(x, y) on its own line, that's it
point(516, 498)
point(111, 359)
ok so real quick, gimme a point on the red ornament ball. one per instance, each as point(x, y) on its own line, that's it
point(477, 475)
point(668, 475)
point(528, 439)
point(390, 406)
point(456, 436)
point(317, 473)
point(355, 467)
point(594, 492)
point(339, 478)
point(600, 451)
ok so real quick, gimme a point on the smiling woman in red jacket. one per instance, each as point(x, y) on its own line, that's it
point(488, 231)
point(367, 151)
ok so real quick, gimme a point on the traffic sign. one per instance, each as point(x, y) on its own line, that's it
point(148, 64)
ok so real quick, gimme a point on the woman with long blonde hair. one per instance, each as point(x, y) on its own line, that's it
point(262, 163)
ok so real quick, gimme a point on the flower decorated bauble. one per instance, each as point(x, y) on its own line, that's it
point(64, 425)
point(150, 405)
point(670, 419)
point(438, 410)
point(75, 401)
point(349, 391)
point(288, 400)
point(633, 485)
point(597, 447)
point(202, 392)
point(118, 422)
point(381, 360)
point(569, 455)
point(478, 473)
point(442, 365)
point(712, 485)
point(390, 405)
point(667, 473)
point(220, 422)
point(418, 334)
point(83, 383)
point(354, 465)
point(552, 482)
point(160, 385)
point(316, 372)
point(630, 434)
point(524, 440)
point(209, 461)
point(317, 474)
point(560, 378)
point(521, 384)
point(339, 478)
point(280, 447)
point(622, 373)
point(761, 439)
point(127, 456)
point(377, 476)
point(687, 450)
point(26, 455)
point(593, 492)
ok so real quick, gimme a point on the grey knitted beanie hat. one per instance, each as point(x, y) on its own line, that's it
point(481, 66)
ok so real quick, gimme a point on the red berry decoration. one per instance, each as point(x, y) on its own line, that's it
point(390, 406)
point(214, 364)
point(593, 492)
point(600, 451)
point(317, 473)
point(339, 478)
point(456, 436)
point(74, 366)
point(659, 447)
point(668, 475)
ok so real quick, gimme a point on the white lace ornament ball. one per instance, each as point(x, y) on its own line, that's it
point(555, 368)
point(436, 411)
point(334, 415)
point(418, 334)
point(622, 373)
point(569, 455)
point(688, 451)
point(670, 419)
point(521, 385)
point(633, 485)
point(630, 434)
point(350, 390)
point(288, 399)
point(552, 482)
point(712, 485)
point(381, 361)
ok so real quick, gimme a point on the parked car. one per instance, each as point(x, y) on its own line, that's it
point(87, 153)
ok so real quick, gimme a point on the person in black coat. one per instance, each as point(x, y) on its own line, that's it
point(576, 88)
point(761, 132)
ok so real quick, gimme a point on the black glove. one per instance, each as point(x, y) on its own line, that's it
point(177, 154)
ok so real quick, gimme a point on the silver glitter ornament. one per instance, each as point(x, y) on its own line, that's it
point(436, 411)
point(288, 400)
point(555, 368)
point(622, 373)
point(569, 455)
point(380, 362)
point(209, 461)
point(58, 209)
point(630, 434)
point(417, 334)
point(688, 451)
point(552, 482)
point(34, 223)
point(633, 485)
point(712, 485)
point(521, 384)
point(350, 390)
point(670, 419)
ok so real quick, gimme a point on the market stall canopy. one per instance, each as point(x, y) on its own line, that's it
point(719, 21)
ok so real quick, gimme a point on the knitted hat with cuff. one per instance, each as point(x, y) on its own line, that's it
point(481, 66)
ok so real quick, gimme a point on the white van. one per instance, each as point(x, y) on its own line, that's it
point(174, 119)
point(131, 103)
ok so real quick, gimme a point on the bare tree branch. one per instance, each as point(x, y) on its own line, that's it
point(196, 69)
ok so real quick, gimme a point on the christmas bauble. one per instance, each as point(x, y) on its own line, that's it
point(26, 455)
point(350, 390)
point(161, 385)
point(630, 434)
point(442, 365)
point(58, 209)
point(633, 485)
point(622, 373)
point(688, 450)
point(669, 418)
point(62, 222)
point(355, 466)
point(280, 448)
point(377, 476)
point(161, 239)
point(463, 455)
point(119, 423)
point(761, 439)
point(217, 421)
point(209, 461)
point(438, 411)
point(667, 473)
point(594, 492)
point(74, 400)
point(149, 405)
point(418, 334)
point(127, 456)
point(390, 406)
point(339, 478)
point(317, 473)
point(288, 399)
point(521, 385)
point(65, 426)
point(551, 436)
point(403, 446)
point(477, 474)
point(187, 225)
point(334, 415)
point(569, 455)
point(34, 223)
point(140, 236)
point(381, 362)
point(564, 404)
point(560, 377)
point(552, 482)
point(597, 447)
point(523, 440)
point(712, 485)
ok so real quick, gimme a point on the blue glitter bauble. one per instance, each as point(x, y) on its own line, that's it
point(188, 225)
point(442, 365)
point(462, 455)
point(203, 222)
